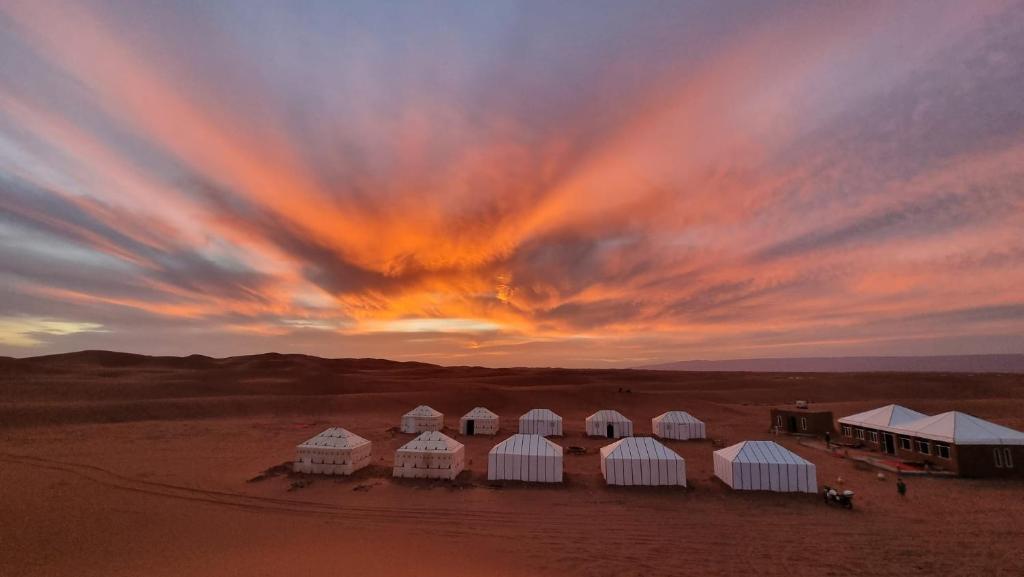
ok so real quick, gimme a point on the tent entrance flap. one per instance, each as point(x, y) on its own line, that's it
point(610, 431)
point(470, 427)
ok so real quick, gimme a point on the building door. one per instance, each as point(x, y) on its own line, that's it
point(611, 431)
point(470, 427)
point(888, 443)
point(792, 425)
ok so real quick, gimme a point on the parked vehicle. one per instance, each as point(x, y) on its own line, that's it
point(841, 498)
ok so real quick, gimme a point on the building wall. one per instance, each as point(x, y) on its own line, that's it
point(964, 460)
point(330, 461)
point(818, 422)
point(480, 426)
point(416, 424)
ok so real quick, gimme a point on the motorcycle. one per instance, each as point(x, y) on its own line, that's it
point(842, 498)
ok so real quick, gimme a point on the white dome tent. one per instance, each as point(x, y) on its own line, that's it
point(542, 422)
point(525, 458)
point(479, 421)
point(765, 466)
point(422, 418)
point(610, 424)
point(641, 461)
point(678, 425)
point(335, 451)
point(431, 455)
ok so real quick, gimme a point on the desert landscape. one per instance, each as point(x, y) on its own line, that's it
point(118, 464)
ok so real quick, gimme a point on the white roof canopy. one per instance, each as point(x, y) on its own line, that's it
point(680, 417)
point(432, 441)
point(883, 417)
point(761, 452)
point(423, 411)
point(480, 413)
point(335, 438)
point(527, 445)
point(609, 415)
point(962, 429)
point(541, 415)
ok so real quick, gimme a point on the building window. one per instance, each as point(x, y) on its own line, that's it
point(905, 444)
point(860, 434)
point(847, 431)
point(874, 436)
point(1003, 457)
point(803, 423)
point(942, 450)
point(922, 447)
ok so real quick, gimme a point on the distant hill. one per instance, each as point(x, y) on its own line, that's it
point(935, 364)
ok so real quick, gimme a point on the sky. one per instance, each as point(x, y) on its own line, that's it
point(579, 184)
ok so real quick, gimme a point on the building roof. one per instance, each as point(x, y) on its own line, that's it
point(423, 411)
point(962, 429)
point(681, 417)
point(480, 413)
point(883, 417)
point(527, 445)
point(541, 415)
point(644, 448)
point(334, 438)
point(609, 416)
point(761, 452)
point(432, 441)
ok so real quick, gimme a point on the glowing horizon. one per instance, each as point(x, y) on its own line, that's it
point(577, 185)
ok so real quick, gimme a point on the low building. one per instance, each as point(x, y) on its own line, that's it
point(431, 455)
point(530, 458)
point(335, 451)
point(422, 418)
point(479, 421)
point(610, 424)
point(875, 429)
point(801, 420)
point(678, 425)
point(641, 461)
point(542, 422)
point(765, 466)
point(952, 441)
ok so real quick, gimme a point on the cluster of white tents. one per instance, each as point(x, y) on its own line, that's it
point(528, 456)
point(606, 423)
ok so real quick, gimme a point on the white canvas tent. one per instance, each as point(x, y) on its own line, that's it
point(542, 422)
point(422, 418)
point(883, 418)
point(610, 424)
point(431, 455)
point(479, 421)
point(765, 466)
point(678, 425)
point(335, 451)
point(959, 428)
point(525, 458)
point(641, 461)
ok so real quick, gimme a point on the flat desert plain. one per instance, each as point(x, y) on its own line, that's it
point(114, 464)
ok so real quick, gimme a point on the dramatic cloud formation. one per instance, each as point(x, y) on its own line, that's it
point(578, 184)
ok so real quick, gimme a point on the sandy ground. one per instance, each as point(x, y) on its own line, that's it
point(80, 495)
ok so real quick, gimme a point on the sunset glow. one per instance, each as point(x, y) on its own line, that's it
point(576, 184)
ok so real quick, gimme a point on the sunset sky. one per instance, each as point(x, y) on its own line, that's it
point(531, 183)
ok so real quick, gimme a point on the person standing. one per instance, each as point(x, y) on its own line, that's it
point(828, 440)
point(901, 487)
